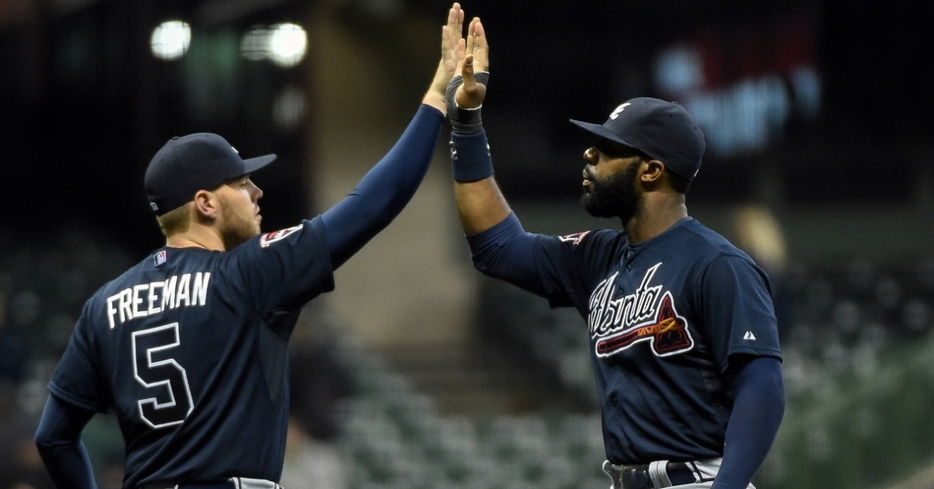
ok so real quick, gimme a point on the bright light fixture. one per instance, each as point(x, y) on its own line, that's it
point(170, 39)
point(255, 44)
point(287, 44)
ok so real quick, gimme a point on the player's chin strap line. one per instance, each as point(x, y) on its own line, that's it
point(470, 151)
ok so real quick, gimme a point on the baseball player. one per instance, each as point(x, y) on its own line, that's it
point(189, 346)
point(683, 337)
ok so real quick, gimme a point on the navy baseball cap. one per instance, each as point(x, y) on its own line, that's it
point(663, 130)
point(186, 164)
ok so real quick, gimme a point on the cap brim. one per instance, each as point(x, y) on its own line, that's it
point(600, 131)
point(251, 165)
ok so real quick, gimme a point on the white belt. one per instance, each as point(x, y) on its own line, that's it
point(236, 482)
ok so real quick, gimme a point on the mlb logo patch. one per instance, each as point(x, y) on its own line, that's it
point(159, 258)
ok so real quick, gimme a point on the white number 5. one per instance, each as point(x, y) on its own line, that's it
point(172, 402)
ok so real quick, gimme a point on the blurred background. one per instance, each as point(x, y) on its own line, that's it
point(417, 371)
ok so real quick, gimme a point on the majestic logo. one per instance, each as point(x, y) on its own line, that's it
point(648, 314)
point(270, 238)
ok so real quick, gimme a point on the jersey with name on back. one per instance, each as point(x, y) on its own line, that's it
point(189, 349)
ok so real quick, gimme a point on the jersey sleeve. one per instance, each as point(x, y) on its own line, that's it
point(570, 263)
point(736, 304)
point(286, 268)
point(553, 267)
point(78, 378)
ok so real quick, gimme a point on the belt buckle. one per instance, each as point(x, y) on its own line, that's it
point(636, 477)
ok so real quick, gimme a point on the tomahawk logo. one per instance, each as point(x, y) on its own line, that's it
point(575, 238)
point(648, 314)
point(617, 110)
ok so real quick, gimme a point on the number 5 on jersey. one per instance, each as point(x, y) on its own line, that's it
point(171, 402)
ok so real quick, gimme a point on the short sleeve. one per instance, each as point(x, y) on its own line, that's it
point(78, 379)
point(554, 267)
point(567, 267)
point(286, 268)
point(737, 308)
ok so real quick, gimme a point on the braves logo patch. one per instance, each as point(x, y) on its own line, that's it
point(270, 238)
point(574, 238)
point(648, 314)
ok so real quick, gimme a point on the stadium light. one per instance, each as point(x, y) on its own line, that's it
point(255, 44)
point(287, 44)
point(170, 39)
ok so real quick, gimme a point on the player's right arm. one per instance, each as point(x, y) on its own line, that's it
point(499, 245)
point(480, 203)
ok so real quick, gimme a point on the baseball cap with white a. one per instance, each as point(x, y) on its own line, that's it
point(186, 164)
point(661, 129)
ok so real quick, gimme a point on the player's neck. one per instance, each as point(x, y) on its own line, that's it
point(196, 237)
point(656, 215)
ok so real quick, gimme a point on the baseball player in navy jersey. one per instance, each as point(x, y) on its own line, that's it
point(188, 347)
point(683, 337)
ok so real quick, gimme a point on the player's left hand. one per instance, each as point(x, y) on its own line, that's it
point(452, 57)
point(475, 67)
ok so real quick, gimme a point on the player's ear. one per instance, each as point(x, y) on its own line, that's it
point(652, 172)
point(205, 204)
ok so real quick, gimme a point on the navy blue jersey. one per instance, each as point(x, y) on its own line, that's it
point(189, 348)
point(664, 316)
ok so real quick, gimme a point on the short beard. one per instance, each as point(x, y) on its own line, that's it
point(614, 197)
point(238, 229)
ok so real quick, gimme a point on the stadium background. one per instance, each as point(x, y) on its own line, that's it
point(417, 371)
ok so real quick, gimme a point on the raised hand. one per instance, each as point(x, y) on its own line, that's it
point(475, 68)
point(453, 47)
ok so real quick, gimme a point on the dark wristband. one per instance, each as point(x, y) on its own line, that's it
point(470, 156)
point(464, 120)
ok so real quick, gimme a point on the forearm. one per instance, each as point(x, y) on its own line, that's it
point(434, 98)
point(757, 413)
point(58, 440)
point(69, 466)
point(385, 190)
point(480, 203)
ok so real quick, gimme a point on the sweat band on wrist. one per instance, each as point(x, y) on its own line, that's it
point(470, 156)
point(464, 120)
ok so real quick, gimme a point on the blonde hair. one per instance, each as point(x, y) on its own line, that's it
point(175, 221)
